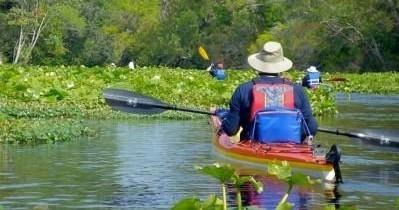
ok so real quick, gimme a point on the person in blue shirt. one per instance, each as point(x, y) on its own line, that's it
point(216, 70)
point(269, 63)
point(312, 78)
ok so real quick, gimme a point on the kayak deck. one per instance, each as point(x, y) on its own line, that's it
point(297, 155)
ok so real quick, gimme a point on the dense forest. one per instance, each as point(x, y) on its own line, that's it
point(337, 35)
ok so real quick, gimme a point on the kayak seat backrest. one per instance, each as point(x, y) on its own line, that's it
point(277, 126)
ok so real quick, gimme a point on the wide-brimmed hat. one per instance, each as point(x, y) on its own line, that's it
point(312, 69)
point(270, 59)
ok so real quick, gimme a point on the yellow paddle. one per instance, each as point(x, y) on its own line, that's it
point(203, 53)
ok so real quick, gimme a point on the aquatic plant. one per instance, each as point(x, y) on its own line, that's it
point(225, 174)
point(25, 131)
point(211, 203)
point(31, 92)
point(284, 172)
point(372, 83)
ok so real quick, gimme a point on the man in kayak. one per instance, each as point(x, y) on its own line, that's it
point(217, 71)
point(268, 91)
point(312, 78)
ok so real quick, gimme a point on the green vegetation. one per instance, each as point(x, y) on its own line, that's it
point(226, 174)
point(33, 131)
point(332, 33)
point(57, 99)
point(284, 172)
point(378, 83)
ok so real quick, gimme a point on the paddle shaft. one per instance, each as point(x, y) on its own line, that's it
point(321, 129)
point(382, 140)
point(173, 107)
point(128, 101)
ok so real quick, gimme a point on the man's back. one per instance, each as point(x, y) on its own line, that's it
point(240, 106)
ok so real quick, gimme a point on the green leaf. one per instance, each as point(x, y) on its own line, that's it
point(57, 92)
point(212, 203)
point(223, 173)
point(281, 171)
point(329, 207)
point(285, 206)
point(188, 203)
point(301, 179)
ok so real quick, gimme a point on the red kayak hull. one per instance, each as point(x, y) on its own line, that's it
point(297, 155)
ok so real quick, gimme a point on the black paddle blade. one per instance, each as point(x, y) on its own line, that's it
point(127, 101)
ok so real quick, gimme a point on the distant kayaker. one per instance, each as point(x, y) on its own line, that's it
point(217, 70)
point(268, 91)
point(312, 78)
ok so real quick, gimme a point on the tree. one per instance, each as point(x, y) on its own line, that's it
point(29, 17)
point(339, 34)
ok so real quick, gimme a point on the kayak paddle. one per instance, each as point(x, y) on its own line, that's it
point(381, 141)
point(203, 53)
point(127, 101)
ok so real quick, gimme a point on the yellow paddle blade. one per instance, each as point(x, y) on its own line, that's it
point(203, 53)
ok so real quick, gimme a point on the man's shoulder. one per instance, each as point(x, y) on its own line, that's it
point(244, 87)
point(298, 89)
point(246, 84)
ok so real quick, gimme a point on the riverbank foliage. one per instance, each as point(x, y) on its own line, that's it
point(369, 83)
point(332, 33)
point(44, 100)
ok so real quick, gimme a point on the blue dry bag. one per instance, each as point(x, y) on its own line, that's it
point(277, 126)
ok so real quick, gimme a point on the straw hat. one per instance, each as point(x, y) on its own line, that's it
point(270, 59)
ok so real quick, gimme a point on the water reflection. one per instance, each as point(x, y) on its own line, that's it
point(149, 165)
point(274, 191)
point(301, 197)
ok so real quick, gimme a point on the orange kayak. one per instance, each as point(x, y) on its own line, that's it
point(299, 156)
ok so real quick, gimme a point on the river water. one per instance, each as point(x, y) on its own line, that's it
point(150, 165)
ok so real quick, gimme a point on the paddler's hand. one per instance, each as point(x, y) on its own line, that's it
point(308, 140)
point(210, 67)
point(221, 113)
point(220, 131)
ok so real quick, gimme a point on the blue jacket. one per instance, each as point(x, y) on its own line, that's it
point(311, 79)
point(217, 73)
point(240, 105)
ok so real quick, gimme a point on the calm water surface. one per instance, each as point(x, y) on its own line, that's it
point(149, 165)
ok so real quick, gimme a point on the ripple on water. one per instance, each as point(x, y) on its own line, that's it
point(18, 186)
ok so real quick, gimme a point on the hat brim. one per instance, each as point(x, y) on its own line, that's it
point(269, 67)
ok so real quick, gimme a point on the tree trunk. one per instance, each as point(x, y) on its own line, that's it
point(35, 36)
point(373, 46)
point(19, 45)
point(164, 9)
point(34, 16)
